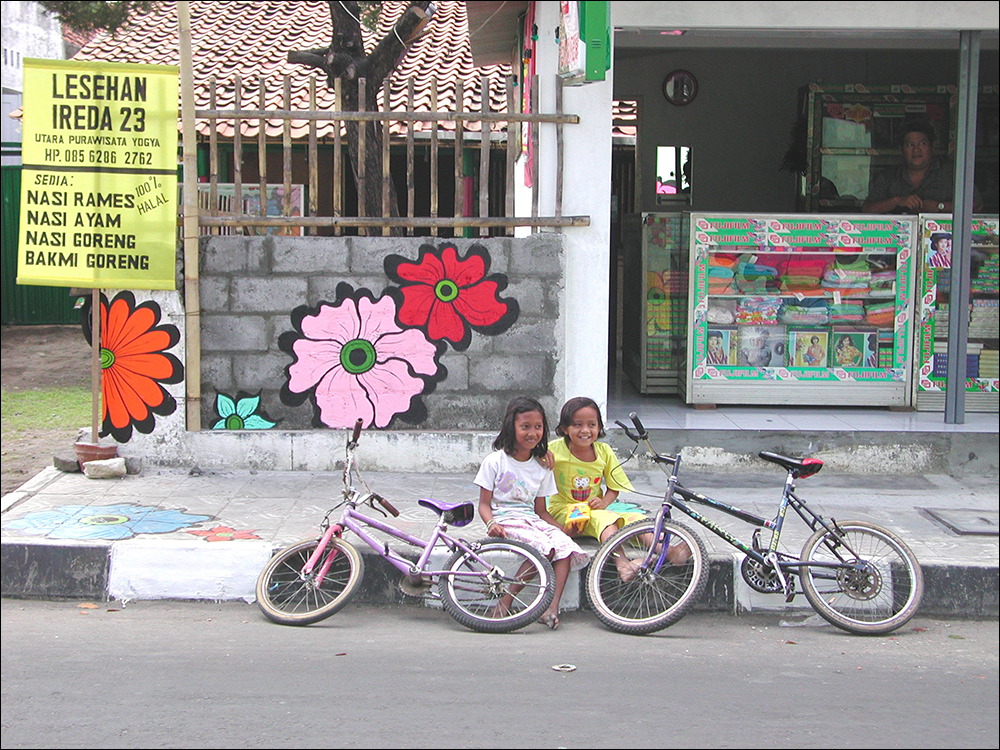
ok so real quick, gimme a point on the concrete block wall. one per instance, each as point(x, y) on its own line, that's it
point(249, 287)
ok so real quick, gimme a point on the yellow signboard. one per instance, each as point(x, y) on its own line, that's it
point(99, 175)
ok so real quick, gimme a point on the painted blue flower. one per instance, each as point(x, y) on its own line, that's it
point(241, 413)
point(103, 521)
point(619, 506)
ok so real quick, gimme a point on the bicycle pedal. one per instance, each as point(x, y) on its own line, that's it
point(414, 585)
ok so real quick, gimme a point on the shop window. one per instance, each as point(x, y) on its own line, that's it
point(673, 175)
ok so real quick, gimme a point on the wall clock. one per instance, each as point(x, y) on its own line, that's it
point(680, 87)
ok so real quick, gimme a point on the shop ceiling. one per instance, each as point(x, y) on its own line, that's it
point(632, 41)
point(494, 26)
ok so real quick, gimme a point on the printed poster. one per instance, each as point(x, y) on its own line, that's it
point(99, 175)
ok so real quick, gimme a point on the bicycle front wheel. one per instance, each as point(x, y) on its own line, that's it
point(637, 599)
point(507, 587)
point(288, 597)
point(861, 578)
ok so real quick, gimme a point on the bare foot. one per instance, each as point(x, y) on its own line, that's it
point(627, 569)
point(550, 620)
point(679, 554)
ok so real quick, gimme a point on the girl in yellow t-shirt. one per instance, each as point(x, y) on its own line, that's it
point(587, 471)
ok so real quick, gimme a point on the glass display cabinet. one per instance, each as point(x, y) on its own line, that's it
point(795, 309)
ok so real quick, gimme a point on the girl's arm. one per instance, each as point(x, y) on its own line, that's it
point(543, 513)
point(486, 513)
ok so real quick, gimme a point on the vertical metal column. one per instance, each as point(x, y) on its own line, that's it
point(961, 227)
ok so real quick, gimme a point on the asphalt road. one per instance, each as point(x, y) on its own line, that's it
point(186, 674)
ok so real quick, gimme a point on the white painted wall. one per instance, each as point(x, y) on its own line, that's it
point(583, 363)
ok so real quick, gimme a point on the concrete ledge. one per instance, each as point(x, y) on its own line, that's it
point(862, 452)
point(161, 569)
point(55, 571)
point(440, 451)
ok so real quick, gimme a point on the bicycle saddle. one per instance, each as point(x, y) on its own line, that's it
point(454, 514)
point(800, 467)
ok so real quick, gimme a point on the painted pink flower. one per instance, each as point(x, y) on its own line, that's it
point(447, 295)
point(357, 362)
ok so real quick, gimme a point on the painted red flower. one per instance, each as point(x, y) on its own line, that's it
point(447, 296)
point(134, 365)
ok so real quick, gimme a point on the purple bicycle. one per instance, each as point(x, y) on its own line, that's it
point(492, 585)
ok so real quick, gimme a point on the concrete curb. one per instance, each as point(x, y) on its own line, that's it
point(108, 572)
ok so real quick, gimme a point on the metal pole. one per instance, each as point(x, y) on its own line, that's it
point(961, 227)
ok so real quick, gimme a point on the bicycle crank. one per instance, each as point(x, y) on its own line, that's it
point(761, 578)
point(415, 585)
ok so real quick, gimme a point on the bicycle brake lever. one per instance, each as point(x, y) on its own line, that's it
point(628, 432)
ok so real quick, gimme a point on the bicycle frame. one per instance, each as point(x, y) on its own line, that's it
point(769, 557)
point(353, 520)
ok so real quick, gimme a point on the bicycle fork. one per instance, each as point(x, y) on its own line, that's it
point(309, 569)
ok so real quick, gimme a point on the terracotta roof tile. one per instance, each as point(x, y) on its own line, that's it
point(252, 40)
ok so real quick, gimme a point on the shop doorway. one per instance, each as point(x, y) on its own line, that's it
point(623, 178)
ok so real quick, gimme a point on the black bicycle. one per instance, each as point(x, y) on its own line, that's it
point(855, 574)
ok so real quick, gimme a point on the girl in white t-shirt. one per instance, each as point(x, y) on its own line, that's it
point(513, 485)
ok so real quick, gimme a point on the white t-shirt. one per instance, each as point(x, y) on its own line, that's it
point(514, 484)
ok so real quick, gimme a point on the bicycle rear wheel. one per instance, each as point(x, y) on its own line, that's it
point(512, 585)
point(288, 597)
point(650, 600)
point(872, 583)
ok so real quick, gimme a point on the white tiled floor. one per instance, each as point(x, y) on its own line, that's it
point(670, 412)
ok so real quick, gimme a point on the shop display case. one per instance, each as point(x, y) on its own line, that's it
point(934, 282)
point(654, 301)
point(794, 309)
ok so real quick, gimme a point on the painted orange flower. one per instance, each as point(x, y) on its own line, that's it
point(134, 365)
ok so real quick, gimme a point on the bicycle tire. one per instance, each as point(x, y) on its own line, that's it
point(650, 601)
point(471, 601)
point(285, 597)
point(874, 597)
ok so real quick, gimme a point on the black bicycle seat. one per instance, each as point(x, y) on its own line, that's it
point(455, 514)
point(800, 467)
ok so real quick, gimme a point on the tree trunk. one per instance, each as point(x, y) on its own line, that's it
point(344, 58)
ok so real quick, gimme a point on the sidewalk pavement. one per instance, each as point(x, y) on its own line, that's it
point(205, 535)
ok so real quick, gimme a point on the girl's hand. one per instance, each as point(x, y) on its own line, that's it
point(548, 461)
point(600, 503)
point(495, 529)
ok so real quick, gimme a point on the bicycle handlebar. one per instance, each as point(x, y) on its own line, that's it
point(638, 426)
point(386, 504)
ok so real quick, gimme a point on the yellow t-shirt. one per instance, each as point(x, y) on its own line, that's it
point(577, 481)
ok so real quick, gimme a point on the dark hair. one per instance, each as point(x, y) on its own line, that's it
point(938, 236)
point(570, 408)
point(506, 438)
point(918, 125)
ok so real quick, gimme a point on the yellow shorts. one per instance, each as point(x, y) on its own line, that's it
point(599, 520)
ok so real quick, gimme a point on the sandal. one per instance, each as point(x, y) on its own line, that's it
point(550, 621)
